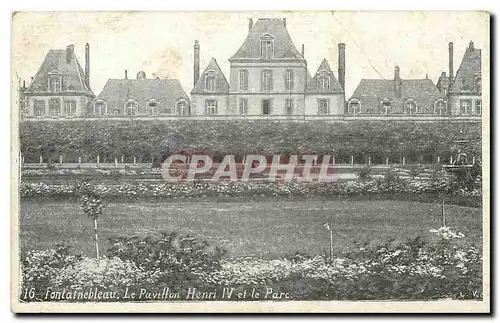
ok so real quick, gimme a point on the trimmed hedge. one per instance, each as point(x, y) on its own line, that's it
point(147, 140)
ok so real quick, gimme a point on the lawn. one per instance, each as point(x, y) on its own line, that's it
point(268, 228)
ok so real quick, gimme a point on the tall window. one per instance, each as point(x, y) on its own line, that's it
point(70, 107)
point(266, 106)
point(243, 80)
point(243, 105)
point(55, 84)
point(54, 107)
point(465, 106)
point(266, 48)
point(131, 107)
point(354, 107)
point(411, 106)
point(323, 83)
point(479, 107)
point(289, 106)
point(210, 82)
point(386, 106)
point(153, 107)
point(100, 108)
point(323, 106)
point(211, 107)
point(182, 107)
point(39, 108)
point(440, 107)
point(289, 80)
point(267, 80)
point(477, 82)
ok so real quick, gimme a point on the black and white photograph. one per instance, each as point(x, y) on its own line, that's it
point(250, 161)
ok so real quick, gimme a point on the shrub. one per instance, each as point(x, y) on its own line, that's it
point(365, 173)
point(171, 258)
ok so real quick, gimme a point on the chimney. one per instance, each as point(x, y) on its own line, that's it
point(450, 61)
point(471, 45)
point(303, 50)
point(196, 65)
point(70, 51)
point(397, 82)
point(126, 75)
point(342, 65)
point(250, 24)
point(87, 65)
point(284, 22)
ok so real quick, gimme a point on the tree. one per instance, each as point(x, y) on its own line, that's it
point(92, 206)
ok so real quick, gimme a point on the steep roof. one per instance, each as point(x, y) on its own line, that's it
point(372, 91)
point(469, 69)
point(275, 28)
point(324, 69)
point(221, 81)
point(56, 62)
point(167, 91)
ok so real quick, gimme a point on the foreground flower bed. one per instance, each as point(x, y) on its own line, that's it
point(174, 268)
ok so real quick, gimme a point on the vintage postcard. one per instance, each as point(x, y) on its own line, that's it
point(315, 161)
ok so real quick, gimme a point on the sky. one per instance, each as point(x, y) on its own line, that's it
point(161, 43)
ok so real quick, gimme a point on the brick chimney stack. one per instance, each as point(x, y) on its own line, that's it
point(87, 65)
point(303, 50)
point(126, 75)
point(450, 62)
point(397, 82)
point(284, 22)
point(341, 65)
point(250, 24)
point(70, 50)
point(196, 65)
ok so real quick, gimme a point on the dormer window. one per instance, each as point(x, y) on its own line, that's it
point(182, 107)
point(354, 107)
point(100, 107)
point(477, 82)
point(267, 47)
point(411, 106)
point(440, 107)
point(153, 107)
point(323, 83)
point(386, 106)
point(131, 107)
point(210, 81)
point(55, 83)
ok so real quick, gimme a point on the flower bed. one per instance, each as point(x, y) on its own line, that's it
point(411, 270)
point(135, 190)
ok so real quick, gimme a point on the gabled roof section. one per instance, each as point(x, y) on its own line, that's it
point(469, 69)
point(268, 27)
point(166, 91)
point(324, 70)
point(221, 81)
point(372, 91)
point(56, 63)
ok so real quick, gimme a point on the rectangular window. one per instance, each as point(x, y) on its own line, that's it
point(39, 108)
point(266, 106)
point(243, 106)
point(289, 106)
point(182, 108)
point(267, 80)
point(289, 80)
point(243, 80)
point(55, 84)
point(266, 49)
point(479, 107)
point(54, 107)
point(211, 107)
point(465, 106)
point(131, 108)
point(323, 106)
point(70, 107)
point(210, 84)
